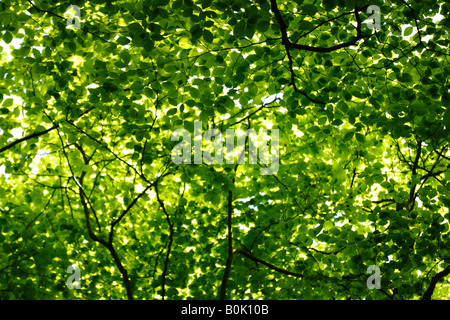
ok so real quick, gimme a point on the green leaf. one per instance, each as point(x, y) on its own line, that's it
point(359, 137)
point(123, 40)
point(172, 111)
point(135, 28)
point(313, 129)
point(208, 36)
point(184, 43)
point(7, 37)
point(309, 9)
point(350, 4)
point(305, 25)
point(196, 33)
point(348, 136)
point(7, 102)
point(329, 4)
point(407, 31)
point(239, 28)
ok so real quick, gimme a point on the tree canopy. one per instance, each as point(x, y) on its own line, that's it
point(89, 106)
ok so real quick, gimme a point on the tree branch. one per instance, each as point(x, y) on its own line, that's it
point(289, 45)
point(226, 274)
point(412, 191)
point(292, 83)
point(109, 150)
point(169, 248)
point(86, 211)
point(31, 136)
point(107, 245)
point(267, 264)
point(62, 18)
point(113, 224)
point(429, 292)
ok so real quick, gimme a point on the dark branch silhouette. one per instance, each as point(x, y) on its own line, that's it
point(31, 136)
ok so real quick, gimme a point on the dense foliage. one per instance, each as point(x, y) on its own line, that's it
point(87, 177)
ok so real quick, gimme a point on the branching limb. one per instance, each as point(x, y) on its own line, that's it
point(228, 263)
point(429, 292)
point(169, 248)
point(267, 264)
point(289, 45)
point(31, 136)
point(226, 274)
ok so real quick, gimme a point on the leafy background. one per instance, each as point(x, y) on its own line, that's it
point(86, 175)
